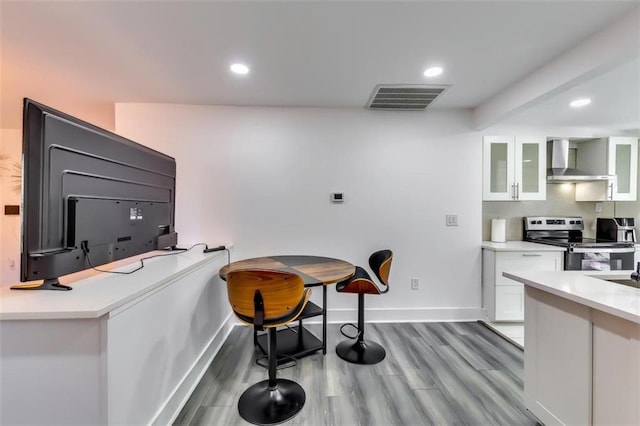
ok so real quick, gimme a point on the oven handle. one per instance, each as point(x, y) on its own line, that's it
point(602, 250)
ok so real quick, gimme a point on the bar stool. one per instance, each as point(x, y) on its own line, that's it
point(268, 299)
point(364, 351)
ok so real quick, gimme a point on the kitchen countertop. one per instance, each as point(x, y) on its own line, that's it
point(586, 288)
point(519, 246)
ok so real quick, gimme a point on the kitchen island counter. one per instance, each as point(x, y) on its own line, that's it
point(588, 288)
point(583, 346)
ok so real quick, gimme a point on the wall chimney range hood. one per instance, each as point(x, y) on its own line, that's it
point(559, 172)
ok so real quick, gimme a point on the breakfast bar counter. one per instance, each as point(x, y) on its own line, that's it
point(583, 345)
point(117, 349)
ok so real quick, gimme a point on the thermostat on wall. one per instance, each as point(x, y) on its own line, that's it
point(337, 197)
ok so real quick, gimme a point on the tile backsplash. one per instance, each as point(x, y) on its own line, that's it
point(559, 202)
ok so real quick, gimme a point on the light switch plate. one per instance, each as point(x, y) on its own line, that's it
point(452, 220)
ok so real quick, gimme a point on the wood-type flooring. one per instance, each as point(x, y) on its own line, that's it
point(457, 373)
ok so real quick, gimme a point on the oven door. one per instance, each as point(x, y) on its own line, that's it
point(599, 259)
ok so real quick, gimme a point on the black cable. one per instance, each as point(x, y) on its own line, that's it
point(85, 250)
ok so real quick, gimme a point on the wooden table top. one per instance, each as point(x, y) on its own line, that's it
point(314, 270)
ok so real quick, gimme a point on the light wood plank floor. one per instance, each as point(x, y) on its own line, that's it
point(434, 373)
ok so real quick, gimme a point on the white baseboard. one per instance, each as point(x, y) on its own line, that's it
point(404, 315)
point(170, 410)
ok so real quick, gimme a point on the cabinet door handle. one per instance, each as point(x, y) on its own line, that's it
point(531, 255)
point(611, 191)
point(518, 191)
point(513, 191)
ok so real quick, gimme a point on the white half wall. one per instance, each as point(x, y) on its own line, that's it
point(261, 178)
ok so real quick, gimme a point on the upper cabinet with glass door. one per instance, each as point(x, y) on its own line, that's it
point(514, 168)
point(616, 155)
point(623, 162)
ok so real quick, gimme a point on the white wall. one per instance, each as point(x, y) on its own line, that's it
point(10, 145)
point(261, 178)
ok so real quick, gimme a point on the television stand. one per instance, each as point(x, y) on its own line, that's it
point(47, 284)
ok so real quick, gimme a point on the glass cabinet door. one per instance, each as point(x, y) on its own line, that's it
point(623, 162)
point(530, 168)
point(497, 168)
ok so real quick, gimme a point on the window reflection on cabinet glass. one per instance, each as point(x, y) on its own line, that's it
point(499, 167)
point(623, 168)
point(530, 167)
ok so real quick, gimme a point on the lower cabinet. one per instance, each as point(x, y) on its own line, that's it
point(509, 303)
point(504, 298)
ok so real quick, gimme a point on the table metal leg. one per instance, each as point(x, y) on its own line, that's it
point(324, 319)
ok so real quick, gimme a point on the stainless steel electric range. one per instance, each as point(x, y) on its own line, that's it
point(581, 253)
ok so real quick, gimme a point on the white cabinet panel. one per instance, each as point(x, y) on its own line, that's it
point(615, 156)
point(525, 261)
point(510, 303)
point(557, 361)
point(503, 297)
point(514, 168)
point(616, 370)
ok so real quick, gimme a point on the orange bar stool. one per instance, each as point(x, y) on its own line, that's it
point(364, 351)
point(268, 299)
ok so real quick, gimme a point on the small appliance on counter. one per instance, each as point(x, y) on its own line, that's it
point(619, 229)
point(498, 230)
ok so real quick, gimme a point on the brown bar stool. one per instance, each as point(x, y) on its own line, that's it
point(268, 299)
point(364, 351)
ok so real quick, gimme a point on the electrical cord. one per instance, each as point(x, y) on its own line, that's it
point(85, 250)
point(219, 248)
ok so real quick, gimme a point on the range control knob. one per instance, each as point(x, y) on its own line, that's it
point(578, 222)
point(571, 222)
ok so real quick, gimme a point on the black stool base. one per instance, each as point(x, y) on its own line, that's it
point(261, 406)
point(360, 352)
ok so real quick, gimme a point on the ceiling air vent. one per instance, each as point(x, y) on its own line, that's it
point(404, 97)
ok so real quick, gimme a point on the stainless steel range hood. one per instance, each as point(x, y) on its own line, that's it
point(559, 172)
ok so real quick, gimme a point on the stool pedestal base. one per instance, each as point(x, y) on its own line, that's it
point(360, 352)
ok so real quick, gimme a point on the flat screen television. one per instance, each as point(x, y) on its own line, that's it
point(89, 197)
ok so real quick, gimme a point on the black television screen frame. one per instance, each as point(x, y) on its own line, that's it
point(89, 197)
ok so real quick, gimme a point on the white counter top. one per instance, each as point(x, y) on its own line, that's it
point(519, 246)
point(97, 293)
point(583, 287)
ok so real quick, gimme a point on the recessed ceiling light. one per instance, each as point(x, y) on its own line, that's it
point(580, 102)
point(241, 69)
point(432, 72)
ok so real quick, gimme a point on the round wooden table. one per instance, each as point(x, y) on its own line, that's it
point(315, 271)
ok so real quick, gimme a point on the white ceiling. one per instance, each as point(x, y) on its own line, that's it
point(301, 53)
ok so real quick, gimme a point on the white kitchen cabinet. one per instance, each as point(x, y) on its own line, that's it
point(503, 298)
point(514, 168)
point(615, 156)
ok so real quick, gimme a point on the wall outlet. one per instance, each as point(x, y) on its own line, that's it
point(598, 207)
point(452, 220)
point(415, 284)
